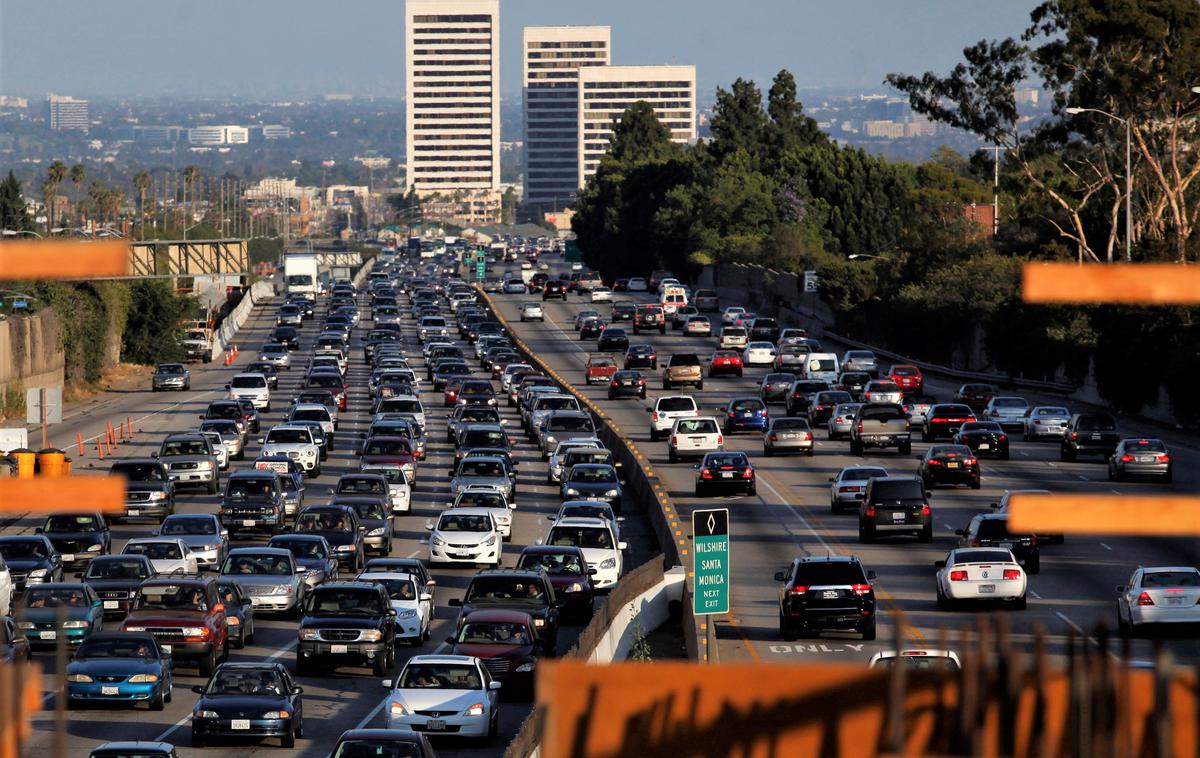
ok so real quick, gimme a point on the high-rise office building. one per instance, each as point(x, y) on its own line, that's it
point(452, 86)
point(553, 56)
point(66, 113)
point(606, 92)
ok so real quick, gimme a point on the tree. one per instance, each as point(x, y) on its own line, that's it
point(78, 177)
point(191, 175)
point(508, 206)
point(141, 182)
point(154, 325)
point(55, 173)
point(738, 121)
point(789, 126)
point(13, 213)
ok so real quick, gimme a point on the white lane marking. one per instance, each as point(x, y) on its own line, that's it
point(1035, 595)
point(1084, 478)
point(414, 553)
point(948, 527)
point(374, 712)
point(1115, 492)
point(1106, 547)
point(1070, 623)
point(1024, 453)
point(274, 656)
point(799, 517)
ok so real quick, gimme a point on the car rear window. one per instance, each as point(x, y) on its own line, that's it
point(1171, 579)
point(994, 528)
point(983, 556)
point(685, 359)
point(832, 573)
point(1145, 446)
point(676, 404)
point(859, 474)
point(881, 413)
point(1008, 402)
point(1097, 423)
point(697, 426)
point(899, 489)
point(904, 371)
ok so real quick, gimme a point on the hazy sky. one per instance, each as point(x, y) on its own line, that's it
point(304, 47)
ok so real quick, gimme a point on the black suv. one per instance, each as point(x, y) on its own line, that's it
point(253, 501)
point(1089, 434)
point(554, 288)
point(895, 504)
point(764, 329)
point(288, 335)
point(526, 590)
point(991, 530)
point(347, 623)
point(826, 593)
point(341, 528)
point(148, 487)
point(78, 537)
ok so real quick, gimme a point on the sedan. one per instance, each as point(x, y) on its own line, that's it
point(168, 555)
point(39, 608)
point(202, 532)
point(119, 667)
point(1140, 458)
point(759, 354)
point(171, 376)
point(311, 552)
point(731, 314)
point(698, 326)
point(975, 395)
point(532, 312)
point(1046, 421)
point(268, 575)
point(249, 700)
point(1159, 596)
point(949, 464)
point(612, 340)
point(593, 481)
point(848, 487)
point(602, 295)
point(788, 435)
point(745, 414)
point(976, 574)
point(944, 419)
point(437, 693)
point(725, 362)
point(724, 471)
point(774, 387)
point(984, 438)
point(627, 384)
point(641, 355)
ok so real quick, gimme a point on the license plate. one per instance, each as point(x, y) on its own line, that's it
point(987, 589)
point(726, 474)
point(239, 724)
point(435, 725)
point(68, 557)
point(166, 649)
point(748, 414)
point(1096, 437)
point(951, 465)
point(1174, 601)
point(110, 605)
point(1145, 459)
point(133, 513)
point(897, 517)
point(110, 690)
point(248, 522)
point(257, 600)
point(829, 594)
point(48, 635)
point(790, 436)
point(338, 649)
point(984, 446)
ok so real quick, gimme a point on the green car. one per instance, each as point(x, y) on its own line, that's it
point(38, 612)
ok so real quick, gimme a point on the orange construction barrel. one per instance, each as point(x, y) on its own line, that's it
point(26, 462)
point(50, 462)
point(66, 467)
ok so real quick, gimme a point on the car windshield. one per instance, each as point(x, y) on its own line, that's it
point(480, 500)
point(564, 564)
point(861, 474)
point(240, 489)
point(483, 438)
point(23, 550)
point(184, 447)
point(54, 597)
point(494, 633)
point(360, 485)
point(557, 404)
point(72, 524)
point(138, 472)
point(581, 536)
point(442, 676)
point(346, 601)
point(184, 525)
point(171, 598)
point(1171, 579)
point(116, 647)
point(387, 447)
point(170, 368)
point(301, 548)
point(367, 509)
point(569, 424)
point(270, 565)
point(324, 380)
point(822, 364)
point(248, 382)
point(481, 468)
point(239, 681)
point(504, 588)
point(323, 522)
point(155, 551)
point(592, 474)
point(116, 568)
point(396, 588)
point(1097, 423)
point(746, 405)
point(464, 523)
point(899, 489)
point(983, 556)
point(274, 350)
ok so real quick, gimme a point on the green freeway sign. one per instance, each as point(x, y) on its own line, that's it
point(573, 253)
point(480, 268)
point(710, 561)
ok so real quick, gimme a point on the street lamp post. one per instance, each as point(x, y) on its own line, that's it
point(1128, 176)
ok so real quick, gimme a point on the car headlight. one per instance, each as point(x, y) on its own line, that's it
point(310, 634)
point(612, 493)
point(539, 622)
point(371, 635)
point(608, 563)
point(550, 440)
point(375, 532)
point(38, 574)
point(571, 491)
point(77, 624)
point(490, 541)
point(475, 709)
point(193, 631)
point(213, 546)
point(233, 620)
point(503, 520)
point(575, 587)
point(127, 629)
point(25, 625)
point(346, 548)
point(272, 715)
point(205, 714)
point(204, 465)
point(396, 708)
point(283, 589)
point(95, 548)
point(80, 678)
point(407, 613)
point(158, 496)
point(143, 678)
point(526, 667)
point(436, 540)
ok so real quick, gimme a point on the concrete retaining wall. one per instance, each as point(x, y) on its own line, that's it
point(30, 355)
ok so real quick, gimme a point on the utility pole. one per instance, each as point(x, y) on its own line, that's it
point(995, 188)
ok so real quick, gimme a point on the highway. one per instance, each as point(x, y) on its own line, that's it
point(790, 515)
point(343, 698)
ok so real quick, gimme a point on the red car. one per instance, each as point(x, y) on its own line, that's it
point(388, 449)
point(450, 393)
point(504, 641)
point(186, 616)
point(331, 381)
point(909, 379)
point(725, 362)
point(600, 368)
point(975, 396)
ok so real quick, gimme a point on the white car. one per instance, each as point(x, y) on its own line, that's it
point(444, 693)
point(252, 387)
point(667, 409)
point(295, 442)
point(1009, 412)
point(409, 404)
point(313, 412)
point(7, 589)
point(850, 485)
point(980, 573)
point(602, 295)
point(883, 392)
point(637, 284)
point(597, 538)
point(513, 287)
point(398, 487)
point(464, 536)
point(698, 326)
point(490, 498)
point(758, 354)
point(733, 337)
point(931, 659)
point(1158, 596)
point(412, 602)
point(168, 555)
point(693, 437)
point(730, 315)
point(220, 448)
point(532, 312)
point(1046, 421)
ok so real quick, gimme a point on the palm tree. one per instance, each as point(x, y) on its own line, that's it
point(141, 182)
point(96, 192)
point(54, 177)
point(191, 175)
point(78, 177)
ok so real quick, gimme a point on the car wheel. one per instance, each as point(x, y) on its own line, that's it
point(752, 491)
point(288, 740)
point(926, 535)
point(856, 448)
point(671, 457)
point(943, 602)
point(240, 642)
point(1021, 603)
point(834, 507)
point(197, 740)
point(785, 630)
point(767, 451)
point(868, 629)
point(810, 452)
point(248, 634)
point(156, 702)
point(925, 436)
point(208, 664)
point(976, 484)
point(865, 535)
point(1034, 566)
point(1065, 454)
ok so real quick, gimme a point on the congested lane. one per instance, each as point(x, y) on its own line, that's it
point(790, 516)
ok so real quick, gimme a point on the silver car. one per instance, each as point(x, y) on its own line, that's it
point(847, 489)
point(555, 471)
point(1009, 412)
point(171, 376)
point(276, 353)
point(231, 437)
point(190, 459)
point(269, 576)
point(1046, 421)
point(861, 360)
point(788, 435)
point(1140, 458)
point(218, 446)
point(842, 419)
point(883, 392)
point(485, 470)
point(1158, 596)
point(202, 532)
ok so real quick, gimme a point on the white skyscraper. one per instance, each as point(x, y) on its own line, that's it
point(452, 86)
point(605, 92)
point(67, 113)
point(553, 56)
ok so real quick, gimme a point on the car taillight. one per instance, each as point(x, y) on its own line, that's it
point(798, 590)
point(925, 510)
point(839, 420)
point(674, 440)
point(1012, 573)
point(731, 414)
point(969, 461)
point(774, 437)
point(747, 473)
point(1003, 437)
point(870, 511)
point(1033, 540)
point(1074, 435)
point(1164, 458)
point(808, 436)
point(860, 589)
point(1127, 458)
point(705, 473)
point(1145, 599)
point(654, 415)
point(958, 576)
point(976, 543)
point(860, 427)
point(613, 383)
point(720, 440)
point(934, 462)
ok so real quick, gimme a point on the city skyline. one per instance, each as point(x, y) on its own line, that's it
point(102, 50)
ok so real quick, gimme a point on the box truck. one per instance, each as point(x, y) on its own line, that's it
point(300, 273)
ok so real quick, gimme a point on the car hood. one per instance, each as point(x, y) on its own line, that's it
point(276, 448)
point(260, 580)
point(164, 618)
point(464, 538)
point(169, 565)
point(114, 666)
point(103, 585)
point(438, 699)
point(337, 538)
point(28, 565)
point(49, 615)
point(340, 622)
point(313, 564)
point(242, 706)
point(198, 540)
point(537, 609)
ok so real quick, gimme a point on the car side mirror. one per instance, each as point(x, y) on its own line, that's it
point(939, 564)
point(780, 576)
point(455, 602)
point(391, 611)
point(387, 684)
point(1120, 588)
point(494, 685)
point(38, 530)
point(225, 533)
point(622, 545)
point(79, 575)
point(297, 690)
point(928, 494)
point(428, 527)
point(245, 602)
point(300, 570)
point(198, 689)
point(262, 440)
point(226, 386)
point(870, 576)
point(960, 532)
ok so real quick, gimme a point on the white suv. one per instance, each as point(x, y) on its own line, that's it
point(598, 540)
point(252, 387)
point(296, 442)
point(668, 408)
point(693, 437)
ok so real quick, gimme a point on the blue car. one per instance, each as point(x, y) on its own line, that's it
point(37, 613)
point(746, 414)
point(119, 667)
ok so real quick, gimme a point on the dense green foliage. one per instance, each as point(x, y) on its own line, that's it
point(12, 206)
point(154, 327)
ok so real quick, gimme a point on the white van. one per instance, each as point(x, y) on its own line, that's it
point(821, 367)
point(672, 300)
